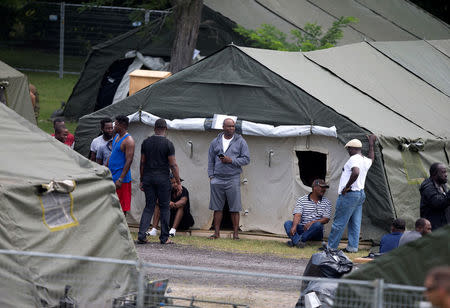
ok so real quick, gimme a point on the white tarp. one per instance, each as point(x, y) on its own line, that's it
point(248, 128)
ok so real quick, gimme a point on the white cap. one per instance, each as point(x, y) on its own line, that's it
point(354, 143)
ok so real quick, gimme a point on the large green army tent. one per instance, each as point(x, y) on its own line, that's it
point(293, 90)
point(42, 211)
point(107, 63)
point(14, 92)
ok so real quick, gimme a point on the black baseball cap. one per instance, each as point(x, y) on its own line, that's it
point(320, 182)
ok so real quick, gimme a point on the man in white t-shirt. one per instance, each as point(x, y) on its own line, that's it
point(106, 126)
point(351, 195)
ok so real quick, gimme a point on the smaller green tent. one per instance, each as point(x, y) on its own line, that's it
point(41, 211)
point(405, 265)
point(16, 94)
point(108, 62)
point(410, 263)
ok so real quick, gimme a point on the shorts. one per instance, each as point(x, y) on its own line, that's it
point(124, 194)
point(225, 189)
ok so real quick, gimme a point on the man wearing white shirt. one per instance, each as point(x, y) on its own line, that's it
point(106, 126)
point(351, 195)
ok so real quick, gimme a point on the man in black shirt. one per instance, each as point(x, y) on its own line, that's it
point(434, 197)
point(157, 158)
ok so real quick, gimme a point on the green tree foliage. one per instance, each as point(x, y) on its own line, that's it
point(312, 38)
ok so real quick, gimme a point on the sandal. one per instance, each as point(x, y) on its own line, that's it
point(213, 237)
point(168, 242)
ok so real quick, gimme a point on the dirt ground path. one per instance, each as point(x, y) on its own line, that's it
point(252, 291)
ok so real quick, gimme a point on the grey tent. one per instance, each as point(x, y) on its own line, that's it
point(381, 20)
point(108, 62)
point(53, 200)
point(16, 94)
point(287, 90)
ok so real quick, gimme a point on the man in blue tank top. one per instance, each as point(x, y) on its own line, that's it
point(120, 161)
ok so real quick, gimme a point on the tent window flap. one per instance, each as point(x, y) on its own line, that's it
point(57, 211)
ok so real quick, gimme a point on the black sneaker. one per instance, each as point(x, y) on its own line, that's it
point(289, 243)
point(141, 242)
point(301, 244)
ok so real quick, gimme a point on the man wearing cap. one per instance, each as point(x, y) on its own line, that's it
point(157, 159)
point(351, 195)
point(311, 212)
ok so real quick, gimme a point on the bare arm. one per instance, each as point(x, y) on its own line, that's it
point(93, 156)
point(141, 170)
point(295, 222)
point(175, 171)
point(351, 180)
point(180, 203)
point(129, 153)
point(323, 221)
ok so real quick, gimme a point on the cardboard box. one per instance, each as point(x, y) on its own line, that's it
point(140, 79)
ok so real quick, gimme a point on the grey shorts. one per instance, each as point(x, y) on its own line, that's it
point(225, 189)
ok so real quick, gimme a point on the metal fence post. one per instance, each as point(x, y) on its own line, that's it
point(378, 293)
point(140, 294)
point(61, 40)
point(147, 16)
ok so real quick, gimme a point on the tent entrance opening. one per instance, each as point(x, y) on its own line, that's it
point(312, 165)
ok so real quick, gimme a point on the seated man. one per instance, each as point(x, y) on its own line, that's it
point(423, 227)
point(311, 212)
point(390, 241)
point(180, 214)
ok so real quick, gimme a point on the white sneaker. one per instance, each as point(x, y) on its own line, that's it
point(152, 232)
point(172, 232)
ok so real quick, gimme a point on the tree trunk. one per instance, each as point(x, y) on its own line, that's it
point(187, 15)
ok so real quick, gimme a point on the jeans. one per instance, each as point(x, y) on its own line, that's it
point(348, 211)
point(156, 190)
point(314, 233)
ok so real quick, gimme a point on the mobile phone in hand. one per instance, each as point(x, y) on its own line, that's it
point(221, 155)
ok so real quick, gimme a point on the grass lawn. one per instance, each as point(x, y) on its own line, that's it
point(275, 248)
point(52, 91)
point(26, 58)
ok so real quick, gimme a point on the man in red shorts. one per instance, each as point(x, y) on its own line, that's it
point(120, 161)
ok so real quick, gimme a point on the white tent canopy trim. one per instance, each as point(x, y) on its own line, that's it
point(247, 127)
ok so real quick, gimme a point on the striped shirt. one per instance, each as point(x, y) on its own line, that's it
point(310, 210)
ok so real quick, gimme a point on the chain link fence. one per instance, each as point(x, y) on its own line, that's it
point(32, 279)
point(56, 37)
